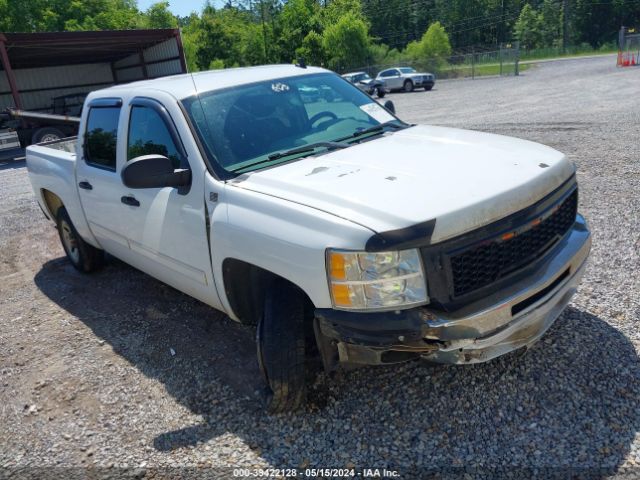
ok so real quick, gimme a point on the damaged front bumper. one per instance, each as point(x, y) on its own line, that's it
point(476, 333)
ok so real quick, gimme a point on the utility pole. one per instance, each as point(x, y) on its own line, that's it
point(264, 31)
point(565, 25)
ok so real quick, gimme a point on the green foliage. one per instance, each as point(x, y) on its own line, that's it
point(159, 16)
point(337, 33)
point(550, 23)
point(527, 28)
point(216, 64)
point(312, 49)
point(298, 20)
point(433, 47)
point(346, 42)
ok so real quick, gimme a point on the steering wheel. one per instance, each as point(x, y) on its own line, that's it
point(320, 115)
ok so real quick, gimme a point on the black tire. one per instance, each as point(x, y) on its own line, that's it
point(380, 92)
point(46, 134)
point(281, 347)
point(428, 89)
point(84, 257)
point(408, 86)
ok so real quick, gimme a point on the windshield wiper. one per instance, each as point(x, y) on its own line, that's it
point(308, 148)
point(376, 128)
point(295, 151)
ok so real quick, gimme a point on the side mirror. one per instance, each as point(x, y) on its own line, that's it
point(390, 106)
point(154, 171)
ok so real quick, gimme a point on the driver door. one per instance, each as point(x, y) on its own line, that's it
point(166, 228)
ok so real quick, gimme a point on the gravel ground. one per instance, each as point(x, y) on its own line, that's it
point(117, 370)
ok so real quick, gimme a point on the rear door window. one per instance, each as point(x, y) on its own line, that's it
point(101, 137)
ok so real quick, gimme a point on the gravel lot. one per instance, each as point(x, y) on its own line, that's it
point(88, 378)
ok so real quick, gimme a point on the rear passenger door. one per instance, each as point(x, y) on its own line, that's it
point(97, 176)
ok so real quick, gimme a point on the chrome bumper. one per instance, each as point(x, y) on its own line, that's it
point(479, 332)
point(490, 332)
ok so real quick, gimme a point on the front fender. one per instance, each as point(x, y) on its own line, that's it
point(282, 237)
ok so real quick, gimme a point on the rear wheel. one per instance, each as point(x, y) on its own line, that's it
point(281, 347)
point(84, 257)
point(408, 86)
point(46, 134)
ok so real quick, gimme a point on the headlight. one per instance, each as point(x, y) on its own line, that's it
point(376, 281)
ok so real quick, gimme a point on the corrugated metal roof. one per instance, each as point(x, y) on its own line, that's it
point(29, 50)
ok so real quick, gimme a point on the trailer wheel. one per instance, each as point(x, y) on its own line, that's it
point(280, 339)
point(84, 257)
point(46, 134)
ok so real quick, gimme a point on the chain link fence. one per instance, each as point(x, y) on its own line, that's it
point(466, 63)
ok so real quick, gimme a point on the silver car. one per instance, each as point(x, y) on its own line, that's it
point(406, 78)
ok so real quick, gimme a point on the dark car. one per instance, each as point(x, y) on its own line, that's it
point(367, 84)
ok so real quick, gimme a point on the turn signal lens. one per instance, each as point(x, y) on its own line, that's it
point(336, 265)
point(341, 296)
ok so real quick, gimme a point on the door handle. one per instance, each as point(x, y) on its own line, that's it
point(131, 201)
point(85, 185)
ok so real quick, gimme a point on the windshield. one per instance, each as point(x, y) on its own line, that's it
point(242, 127)
point(361, 77)
point(407, 70)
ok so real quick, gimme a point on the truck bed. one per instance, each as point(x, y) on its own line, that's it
point(52, 168)
point(64, 144)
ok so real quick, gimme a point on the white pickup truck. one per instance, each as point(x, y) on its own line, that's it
point(326, 221)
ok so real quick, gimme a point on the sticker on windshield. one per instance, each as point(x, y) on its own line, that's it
point(376, 112)
point(279, 87)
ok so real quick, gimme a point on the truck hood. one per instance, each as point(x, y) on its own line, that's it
point(461, 179)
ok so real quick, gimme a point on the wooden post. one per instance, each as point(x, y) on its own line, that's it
point(183, 62)
point(6, 64)
point(145, 74)
point(473, 63)
point(114, 73)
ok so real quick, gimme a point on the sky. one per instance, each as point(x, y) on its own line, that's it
point(178, 7)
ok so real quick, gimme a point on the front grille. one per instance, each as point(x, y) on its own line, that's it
point(480, 265)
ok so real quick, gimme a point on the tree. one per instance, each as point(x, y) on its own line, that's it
point(312, 49)
point(296, 21)
point(550, 23)
point(346, 43)
point(527, 27)
point(159, 16)
point(433, 45)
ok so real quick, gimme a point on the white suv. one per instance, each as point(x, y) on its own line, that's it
point(406, 78)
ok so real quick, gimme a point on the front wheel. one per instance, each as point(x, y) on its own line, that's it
point(380, 92)
point(280, 340)
point(84, 257)
point(428, 89)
